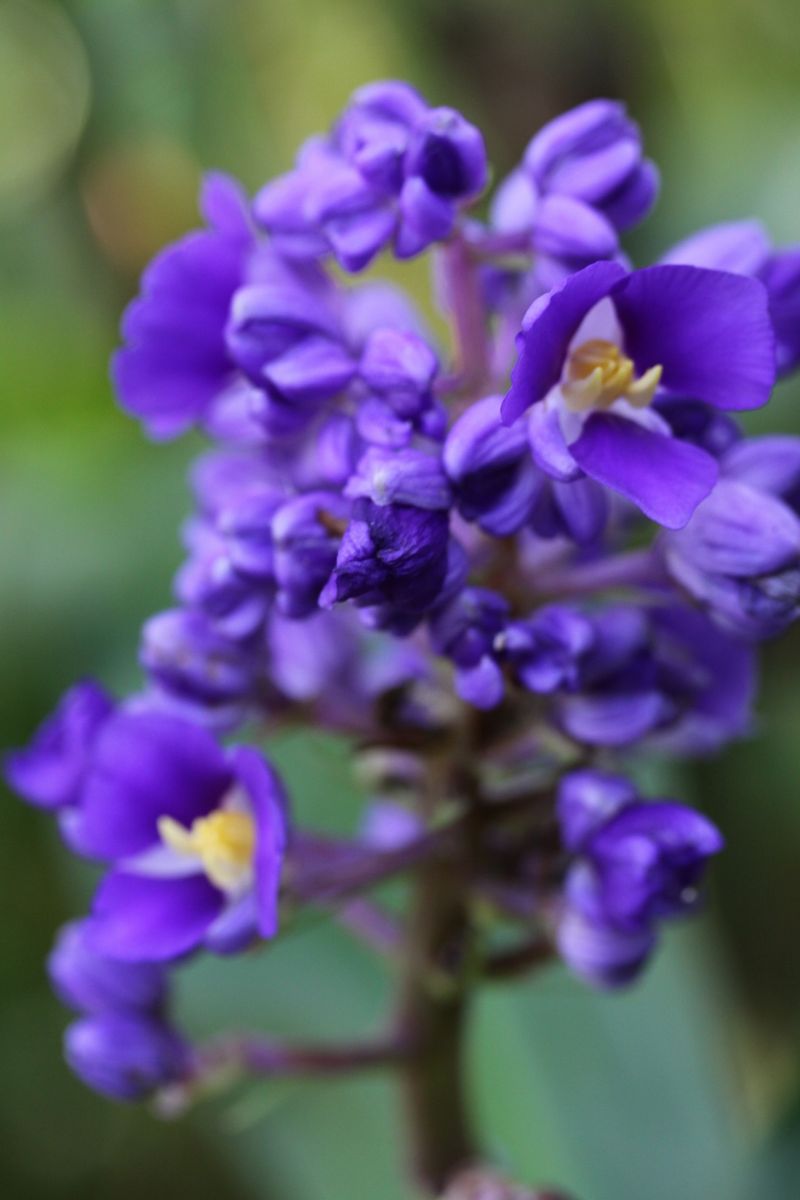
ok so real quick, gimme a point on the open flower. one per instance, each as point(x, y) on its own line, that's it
point(596, 351)
point(196, 838)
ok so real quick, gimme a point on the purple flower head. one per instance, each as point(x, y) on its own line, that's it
point(50, 771)
point(195, 837)
point(92, 982)
point(635, 864)
point(745, 248)
point(595, 352)
point(583, 180)
point(393, 554)
point(124, 1056)
point(175, 362)
point(465, 631)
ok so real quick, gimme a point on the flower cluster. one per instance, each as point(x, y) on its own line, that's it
point(524, 557)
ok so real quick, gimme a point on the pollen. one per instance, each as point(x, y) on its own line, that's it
point(598, 373)
point(223, 842)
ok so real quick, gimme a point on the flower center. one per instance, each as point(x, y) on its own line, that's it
point(224, 842)
point(598, 373)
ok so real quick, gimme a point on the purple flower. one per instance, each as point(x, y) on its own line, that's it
point(50, 771)
point(124, 1056)
point(195, 836)
point(92, 982)
point(582, 181)
point(594, 353)
point(175, 363)
point(635, 864)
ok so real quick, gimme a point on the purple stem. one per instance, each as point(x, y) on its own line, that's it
point(463, 300)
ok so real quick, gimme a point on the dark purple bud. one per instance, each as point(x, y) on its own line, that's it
point(449, 154)
point(393, 555)
point(91, 982)
point(646, 864)
point(125, 1057)
point(50, 771)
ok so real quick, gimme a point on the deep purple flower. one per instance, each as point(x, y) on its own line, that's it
point(210, 580)
point(125, 1056)
point(582, 181)
point(195, 836)
point(94, 983)
point(50, 771)
point(175, 363)
point(635, 864)
point(594, 353)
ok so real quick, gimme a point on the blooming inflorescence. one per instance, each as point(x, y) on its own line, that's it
point(495, 571)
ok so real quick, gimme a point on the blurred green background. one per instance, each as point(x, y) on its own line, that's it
point(109, 109)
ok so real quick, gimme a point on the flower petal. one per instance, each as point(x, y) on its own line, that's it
point(665, 477)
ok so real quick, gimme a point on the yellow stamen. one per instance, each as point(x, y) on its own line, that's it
point(224, 843)
point(598, 373)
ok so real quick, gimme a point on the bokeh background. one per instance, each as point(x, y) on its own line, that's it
point(109, 110)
